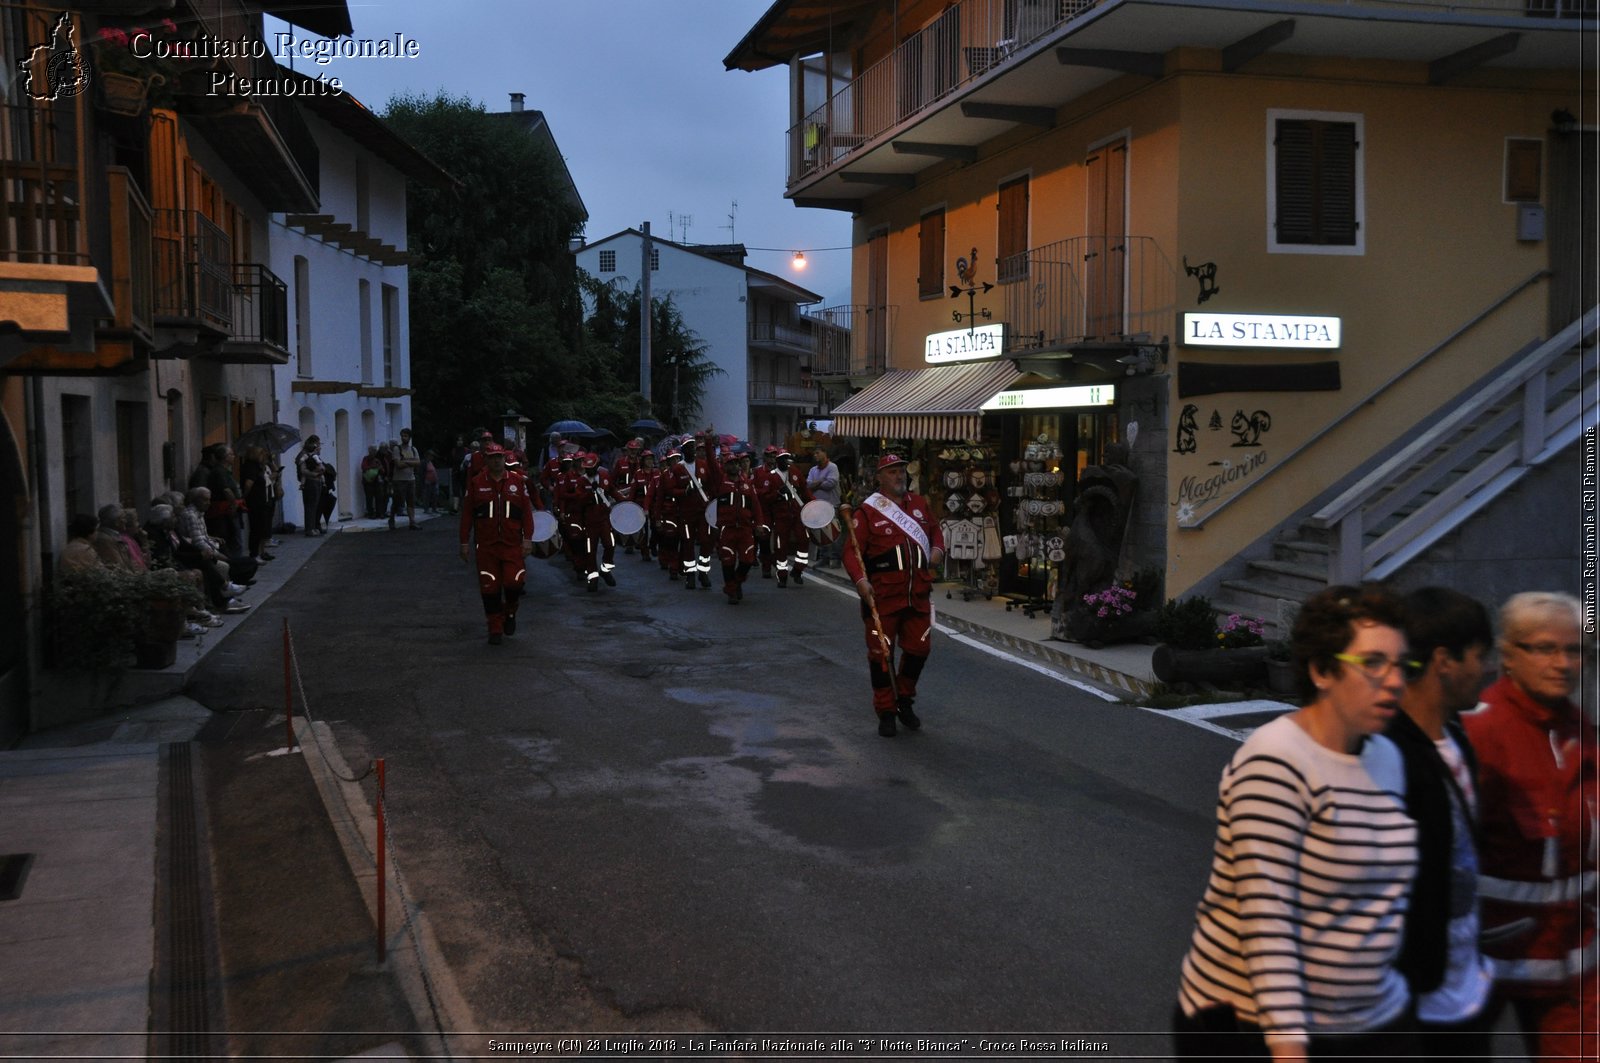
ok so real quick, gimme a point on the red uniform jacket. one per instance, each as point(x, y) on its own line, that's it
point(584, 500)
point(896, 565)
point(1537, 835)
point(738, 505)
point(499, 512)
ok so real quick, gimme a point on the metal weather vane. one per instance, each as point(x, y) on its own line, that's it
point(967, 270)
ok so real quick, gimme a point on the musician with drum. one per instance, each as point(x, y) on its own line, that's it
point(738, 514)
point(587, 504)
point(791, 546)
point(693, 484)
point(498, 513)
point(895, 545)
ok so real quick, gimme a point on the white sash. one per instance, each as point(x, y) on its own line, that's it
point(902, 520)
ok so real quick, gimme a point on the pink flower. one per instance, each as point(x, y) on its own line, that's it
point(113, 35)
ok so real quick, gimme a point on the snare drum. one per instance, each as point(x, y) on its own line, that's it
point(627, 520)
point(820, 521)
point(546, 534)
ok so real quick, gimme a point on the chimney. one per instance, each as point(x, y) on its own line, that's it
point(516, 102)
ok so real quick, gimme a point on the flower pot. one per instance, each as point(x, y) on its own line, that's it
point(156, 646)
point(1247, 664)
point(1281, 678)
point(123, 93)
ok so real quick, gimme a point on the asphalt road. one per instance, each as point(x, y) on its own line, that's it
point(649, 810)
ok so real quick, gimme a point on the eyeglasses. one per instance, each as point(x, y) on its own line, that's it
point(1376, 665)
point(1550, 650)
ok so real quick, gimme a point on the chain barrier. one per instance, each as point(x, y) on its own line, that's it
point(408, 927)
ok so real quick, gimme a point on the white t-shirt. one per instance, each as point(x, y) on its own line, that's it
point(1467, 980)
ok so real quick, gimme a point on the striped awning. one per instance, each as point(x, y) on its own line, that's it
point(939, 403)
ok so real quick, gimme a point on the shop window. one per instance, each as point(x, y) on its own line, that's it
point(1315, 196)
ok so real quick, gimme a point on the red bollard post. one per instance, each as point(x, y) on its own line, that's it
point(383, 884)
point(288, 691)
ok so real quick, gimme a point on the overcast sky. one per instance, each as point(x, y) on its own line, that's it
point(651, 125)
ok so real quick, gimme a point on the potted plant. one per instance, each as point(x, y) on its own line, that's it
point(1196, 648)
point(1281, 677)
point(141, 66)
point(106, 617)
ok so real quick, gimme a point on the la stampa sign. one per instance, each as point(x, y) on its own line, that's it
point(1280, 331)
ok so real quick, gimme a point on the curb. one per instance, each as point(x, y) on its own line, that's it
point(412, 952)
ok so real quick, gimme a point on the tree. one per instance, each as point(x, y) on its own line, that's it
point(679, 370)
point(495, 310)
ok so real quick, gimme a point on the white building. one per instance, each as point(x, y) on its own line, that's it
point(348, 378)
point(749, 321)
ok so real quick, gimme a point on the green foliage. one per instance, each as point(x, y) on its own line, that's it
point(98, 613)
point(1187, 624)
point(679, 370)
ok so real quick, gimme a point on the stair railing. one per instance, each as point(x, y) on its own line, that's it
point(1527, 432)
point(1199, 520)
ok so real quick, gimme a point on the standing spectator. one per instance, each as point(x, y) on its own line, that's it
point(372, 482)
point(1538, 834)
point(222, 519)
point(1299, 929)
point(1450, 638)
point(430, 483)
point(821, 481)
point(257, 489)
point(406, 462)
point(330, 494)
point(308, 469)
point(79, 555)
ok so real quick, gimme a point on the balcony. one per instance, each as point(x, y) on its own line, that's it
point(260, 314)
point(132, 261)
point(852, 342)
point(769, 393)
point(1088, 295)
point(193, 282)
point(782, 339)
point(985, 67)
point(50, 290)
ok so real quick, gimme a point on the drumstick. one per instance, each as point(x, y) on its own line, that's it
point(872, 603)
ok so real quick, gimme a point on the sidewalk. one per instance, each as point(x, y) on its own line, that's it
point(1123, 671)
point(93, 855)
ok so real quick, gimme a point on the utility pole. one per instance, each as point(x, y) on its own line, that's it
point(645, 322)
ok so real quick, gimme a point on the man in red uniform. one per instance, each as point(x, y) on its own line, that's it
point(790, 544)
point(897, 546)
point(499, 513)
point(586, 499)
point(645, 478)
point(625, 486)
point(1538, 831)
point(698, 481)
point(664, 512)
point(768, 484)
point(739, 514)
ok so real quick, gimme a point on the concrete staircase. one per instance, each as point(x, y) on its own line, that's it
point(1476, 448)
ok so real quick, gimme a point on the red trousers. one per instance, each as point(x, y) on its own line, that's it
point(501, 573)
point(908, 630)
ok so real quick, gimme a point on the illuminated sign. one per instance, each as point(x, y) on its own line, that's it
point(965, 345)
point(1053, 398)
point(1282, 331)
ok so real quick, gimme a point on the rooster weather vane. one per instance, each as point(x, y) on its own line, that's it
point(967, 270)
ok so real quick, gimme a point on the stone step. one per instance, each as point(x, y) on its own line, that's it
point(1304, 580)
point(1303, 552)
point(1257, 598)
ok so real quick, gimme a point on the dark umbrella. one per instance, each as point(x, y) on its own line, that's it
point(276, 438)
point(646, 427)
point(569, 428)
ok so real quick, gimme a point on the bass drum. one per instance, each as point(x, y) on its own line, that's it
point(627, 520)
point(821, 521)
point(711, 513)
point(546, 534)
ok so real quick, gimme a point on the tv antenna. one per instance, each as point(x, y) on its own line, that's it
point(678, 226)
point(732, 213)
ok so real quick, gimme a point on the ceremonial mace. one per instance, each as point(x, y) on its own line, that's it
point(872, 603)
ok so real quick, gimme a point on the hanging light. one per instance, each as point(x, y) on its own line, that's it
point(799, 260)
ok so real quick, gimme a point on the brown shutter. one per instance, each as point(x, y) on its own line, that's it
point(1012, 234)
point(930, 276)
point(1316, 182)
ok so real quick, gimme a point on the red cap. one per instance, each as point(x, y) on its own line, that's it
point(889, 461)
point(491, 449)
point(674, 455)
point(772, 450)
point(591, 460)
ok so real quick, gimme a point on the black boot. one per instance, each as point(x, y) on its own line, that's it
point(886, 724)
point(907, 716)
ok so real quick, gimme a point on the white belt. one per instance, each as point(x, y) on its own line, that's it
point(1561, 891)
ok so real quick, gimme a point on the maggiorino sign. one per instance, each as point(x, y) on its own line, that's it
point(1281, 331)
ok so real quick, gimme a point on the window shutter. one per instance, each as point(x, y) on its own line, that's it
point(1337, 183)
point(1316, 182)
point(930, 279)
point(1296, 219)
point(1012, 242)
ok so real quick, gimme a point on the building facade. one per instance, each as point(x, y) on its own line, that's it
point(1263, 250)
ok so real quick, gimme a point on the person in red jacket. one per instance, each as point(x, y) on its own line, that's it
point(768, 484)
point(791, 546)
point(646, 477)
point(664, 512)
point(586, 500)
point(499, 514)
point(625, 478)
point(1537, 809)
point(696, 482)
point(739, 514)
point(896, 547)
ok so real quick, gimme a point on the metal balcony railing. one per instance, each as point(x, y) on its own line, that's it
point(966, 42)
point(852, 340)
point(781, 337)
point(193, 270)
point(260, 307)
point(41, 213)
point(767, 391)
point(1087, 289)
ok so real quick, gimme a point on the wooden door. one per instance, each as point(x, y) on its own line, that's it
point(877, 352)
point(1105, 256)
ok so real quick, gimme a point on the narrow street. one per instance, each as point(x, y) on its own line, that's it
point(651, 810)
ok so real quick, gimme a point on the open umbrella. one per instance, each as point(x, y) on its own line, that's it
point(647, 427)
point(569, 428)
point(276, 438)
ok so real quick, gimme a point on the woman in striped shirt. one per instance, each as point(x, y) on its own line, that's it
point(1298, 932)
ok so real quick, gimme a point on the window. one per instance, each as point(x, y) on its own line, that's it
point(1524, 170)
point(77, 453)
point(608, 262)
point(1315, 197)
point(655, 259)
point(364, 308)
point(302, 316)
point(391, 335)
point(930, 274)
point(1011, 243)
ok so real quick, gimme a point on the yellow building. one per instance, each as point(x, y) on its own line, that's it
point(1283, 240)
